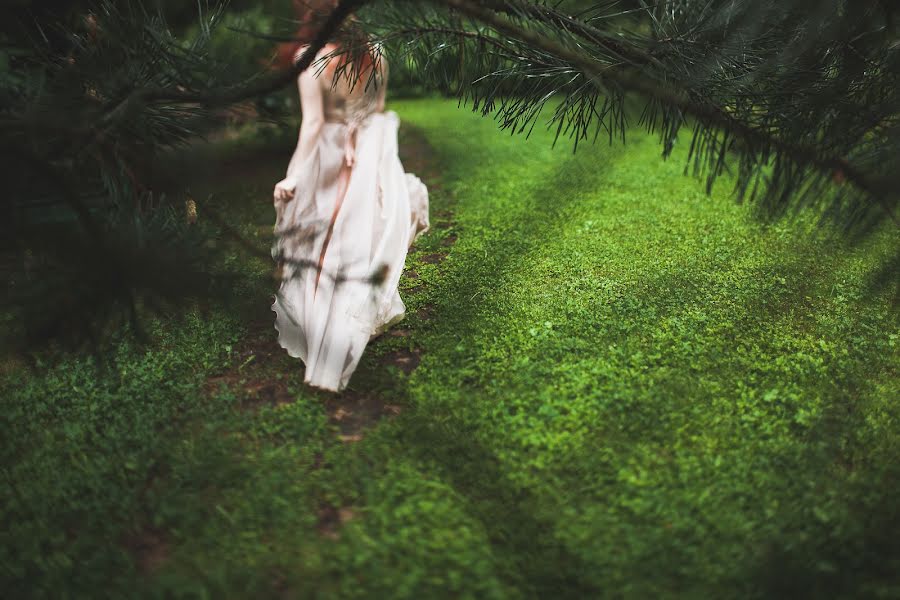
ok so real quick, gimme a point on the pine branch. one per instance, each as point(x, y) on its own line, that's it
point(613, 46)
point(268, 85)
point(668, 94)
point(671, 96)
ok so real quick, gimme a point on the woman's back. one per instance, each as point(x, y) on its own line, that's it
point(357, 91)
point(349, 221)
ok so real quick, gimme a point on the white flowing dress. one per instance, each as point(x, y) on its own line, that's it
point(328, 325)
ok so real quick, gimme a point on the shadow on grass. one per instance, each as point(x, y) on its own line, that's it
point(535, 558)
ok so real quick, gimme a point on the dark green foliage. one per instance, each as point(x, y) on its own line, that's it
point(805, 93)
point(80, 152)
point(80, 448)
point(95, 220)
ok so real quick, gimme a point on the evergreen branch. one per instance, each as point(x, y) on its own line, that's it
point(671, 96)
point(70, 197)
point(460, 33)
point(268, 85)
point(574, 26)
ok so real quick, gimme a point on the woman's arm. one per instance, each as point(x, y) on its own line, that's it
point(313, 119)
point(310, 127)
point(382, 87)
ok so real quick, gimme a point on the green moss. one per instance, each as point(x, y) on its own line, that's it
point(628, 389)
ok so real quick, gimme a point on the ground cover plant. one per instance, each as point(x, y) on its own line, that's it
point(624, 388)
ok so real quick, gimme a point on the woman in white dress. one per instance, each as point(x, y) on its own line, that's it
point(346, 214)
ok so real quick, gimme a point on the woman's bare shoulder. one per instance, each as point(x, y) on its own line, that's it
point(323, 53)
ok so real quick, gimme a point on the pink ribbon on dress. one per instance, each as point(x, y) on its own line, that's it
point(349, 144)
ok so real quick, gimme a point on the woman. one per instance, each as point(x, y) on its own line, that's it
point(346, 213)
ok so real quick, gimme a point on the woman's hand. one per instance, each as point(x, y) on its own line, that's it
point(284, 190)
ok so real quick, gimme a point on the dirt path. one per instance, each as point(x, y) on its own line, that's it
point(256, 376)
point(262, 374)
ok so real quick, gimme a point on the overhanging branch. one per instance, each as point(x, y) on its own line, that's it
point(271, 84)
point(673, 97)
point(492, 13)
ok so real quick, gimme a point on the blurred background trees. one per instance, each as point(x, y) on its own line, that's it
point(797, 101)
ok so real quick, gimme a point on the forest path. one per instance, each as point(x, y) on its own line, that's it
point(262, 374)
point(625, 384)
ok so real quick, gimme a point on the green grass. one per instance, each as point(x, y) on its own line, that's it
point(628, 389)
